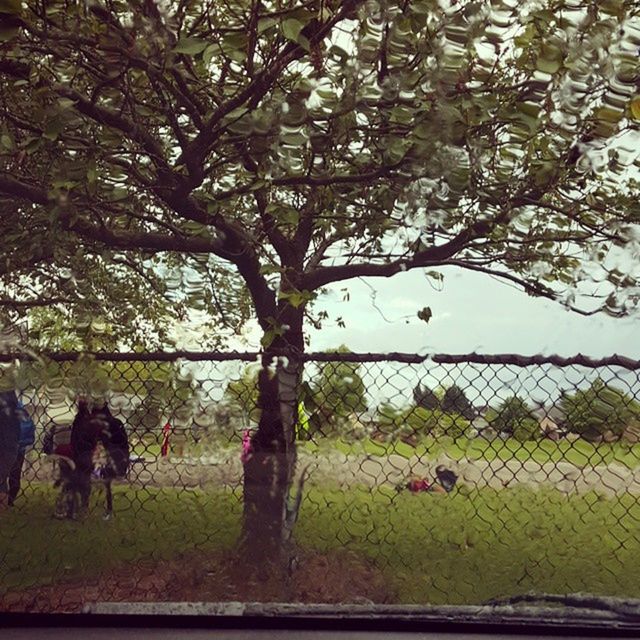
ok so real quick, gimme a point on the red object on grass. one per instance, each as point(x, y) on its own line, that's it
point(166, 433)
point(418, 484)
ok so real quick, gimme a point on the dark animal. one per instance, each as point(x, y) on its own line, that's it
point(446, 478)
point(90, 428)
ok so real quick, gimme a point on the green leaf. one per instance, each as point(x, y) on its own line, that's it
point(266, 23)
point(339, 52)
point(529, 109)
point(608, 114)
point(234, 45)
point(395, 150)
point(550, 59)
point(634, 108)
point(119, 193)
point(52, 129)
point(294, 138)
point(525, 38)
point(612, 7)
point(436, 275)
point(12, 7)
point(190, 46)
point(296, 299)
point(6, 142)
point(65, 103)
point(32, 144)
point(267, 338)
point(268, 269)
point(291, 29)
point(208, 54)
point(548, 66)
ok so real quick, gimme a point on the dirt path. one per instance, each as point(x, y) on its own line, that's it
point(335, 468)
point(334, 577)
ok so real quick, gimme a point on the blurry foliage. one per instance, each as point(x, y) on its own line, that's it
point(599, 409)
point(455, 401)
point(160, 159)
point(425, 397)
point(333, 396)
point(144, 391)
point(415, 421)
point(513, 417)
point(241, 395)
point(337, 396)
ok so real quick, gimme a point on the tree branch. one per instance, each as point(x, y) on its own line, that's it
point(533, 287)
point(18, 189)
point(433, 256)
point(264, 80)
point(31, 304)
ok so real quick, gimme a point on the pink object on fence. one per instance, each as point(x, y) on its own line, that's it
point(245, 456)
point(166, 433)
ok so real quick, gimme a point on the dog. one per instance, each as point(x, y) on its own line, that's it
point(93, 428)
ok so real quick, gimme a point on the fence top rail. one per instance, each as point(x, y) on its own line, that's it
point(408, 358)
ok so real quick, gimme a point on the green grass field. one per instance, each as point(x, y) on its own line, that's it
point(460, 548)
point(578, 452)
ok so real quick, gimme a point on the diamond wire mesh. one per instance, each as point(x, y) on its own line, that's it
point(547, 460)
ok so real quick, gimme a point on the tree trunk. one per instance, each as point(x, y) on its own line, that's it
point(268, 473)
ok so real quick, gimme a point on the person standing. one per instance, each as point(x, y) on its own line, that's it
point(26, 439)
point(9, 439)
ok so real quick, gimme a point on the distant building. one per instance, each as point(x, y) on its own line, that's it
point(551, 421)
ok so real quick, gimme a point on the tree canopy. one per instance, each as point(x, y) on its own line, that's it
point(238, 158)
point(455, 401)
point(424, 397)
point(337, 392)
point(600, 408)
point(514, 417)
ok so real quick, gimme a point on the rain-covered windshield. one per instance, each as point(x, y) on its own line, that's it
point(321, 308)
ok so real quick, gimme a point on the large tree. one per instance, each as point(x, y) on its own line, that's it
point(514, 417)
point(285, 145)
point(455, 401)
point(599, 409)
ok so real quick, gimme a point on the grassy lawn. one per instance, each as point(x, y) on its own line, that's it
point(150, 523)
point(464, 547)
point(146, 449)
point(579, 452)
point(468, 547)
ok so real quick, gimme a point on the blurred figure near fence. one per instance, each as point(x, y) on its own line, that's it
point(245, 456)
point(27, 436)
point(9, 441)
point(75, 448)
point(303, 425)
point(166, 438)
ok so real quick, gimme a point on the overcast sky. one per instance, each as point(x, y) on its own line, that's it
point(471, 312)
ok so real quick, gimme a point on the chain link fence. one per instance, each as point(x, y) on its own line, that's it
point(442, 480)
